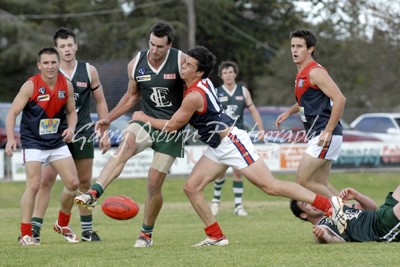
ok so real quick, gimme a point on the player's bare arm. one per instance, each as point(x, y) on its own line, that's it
point(363, 202)
point(254, 113)
point(128, 100)
point(324, 235)
point(72, 117)
point(282, 117)
point(16, 108)
point(322, 79)
point(191, 103)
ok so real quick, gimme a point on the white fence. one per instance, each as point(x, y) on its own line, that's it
point(278, 157)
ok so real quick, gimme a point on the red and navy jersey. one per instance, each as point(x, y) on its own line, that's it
point(315, 107)
point(43, 114)
point(211, 120)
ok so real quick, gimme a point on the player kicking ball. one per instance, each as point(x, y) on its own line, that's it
point(228, 146)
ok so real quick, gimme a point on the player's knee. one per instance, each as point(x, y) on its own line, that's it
point(70, 192)
point(72, 185)
point(190, 189)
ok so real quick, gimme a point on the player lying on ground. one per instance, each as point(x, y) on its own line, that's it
point(364, 221)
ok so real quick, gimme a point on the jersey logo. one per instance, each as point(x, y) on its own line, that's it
point(223, 98)
point(239, 97)
point(48, 126)
point(301, 83)
point(61, 94)
point(81, 84)
point(159, 97)
point(142, 71)
point(42, 90)
point(143, 78)
point(171, 76)
point(43, 97)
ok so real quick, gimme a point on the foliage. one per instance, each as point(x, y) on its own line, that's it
point(269, 236)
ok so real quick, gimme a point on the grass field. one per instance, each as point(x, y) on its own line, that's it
point(269, 236)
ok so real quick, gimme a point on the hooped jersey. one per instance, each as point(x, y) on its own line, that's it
point(161, 90)
point(211, 120)
point(315, 107)
point(362, 226)
point(81, 81)
point(233, 103)
point(43, 114)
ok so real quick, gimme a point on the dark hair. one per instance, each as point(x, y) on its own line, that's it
point(206, 60)
point(161, 29)
point(63, 33)
point(307, 35)
point(227, 64)
point(47, 51)
point(296, 210)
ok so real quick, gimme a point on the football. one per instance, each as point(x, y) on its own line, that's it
point(120, 207)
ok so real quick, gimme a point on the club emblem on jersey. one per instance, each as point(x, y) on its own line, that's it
point(61, 94)
point(301, 83)
point(159, 97)
point(143, 78)
point(42, 90)
point(171, 76)
point(142, 71)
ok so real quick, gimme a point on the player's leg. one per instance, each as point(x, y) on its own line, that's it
point(396, 208)
point(64, 165)
point(238, 193)
point(33, 170)
point(84, 168)
point(216, 201)
point(156, 176)
point(307, 172)
point(203, 173)
point(136, 139)
point(48, 177)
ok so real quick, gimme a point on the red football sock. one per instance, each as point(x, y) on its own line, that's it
point(214, 231)
point(322, 203)
point(63, 219)
point(26, 229)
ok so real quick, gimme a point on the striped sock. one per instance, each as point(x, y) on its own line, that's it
point(218, 183)
point(37, 224)
point(147, 231)
point(238, 192)
point(86, 223)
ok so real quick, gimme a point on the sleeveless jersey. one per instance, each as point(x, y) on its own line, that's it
point(233, 103)
point(315, 107)
point(161, 91)
point(211, 120)
point(43, 115)
point(362, 226)
point(81, 80)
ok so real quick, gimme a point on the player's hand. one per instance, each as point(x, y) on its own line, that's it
point(348, 193)
point(139, 116)
point(102, 125)
point(281, 118)
point(68, 135)
point(260, 135)
point(104, 144)
point(324, 138)
point(11, 147)
point(319, 234)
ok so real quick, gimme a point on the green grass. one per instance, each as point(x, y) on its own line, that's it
point(269, 236)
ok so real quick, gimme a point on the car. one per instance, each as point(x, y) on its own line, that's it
point(4, 107)
point(116, 130)
point(385, 126)
point(292, 129)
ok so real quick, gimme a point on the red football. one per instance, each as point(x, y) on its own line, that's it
point(120, 207)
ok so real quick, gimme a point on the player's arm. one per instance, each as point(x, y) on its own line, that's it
point(20, 100)
point(324, 235)
point(72, 117)
point(98, 93)
point(363, 202)
point(253, 110)
point(191, 103)
point(282, 117)
point(129, 99)
point(101, 107)
point(322, 79)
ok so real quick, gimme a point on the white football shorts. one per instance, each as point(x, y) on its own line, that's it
point(236, 150)
point(328, 152)
point(46, 156)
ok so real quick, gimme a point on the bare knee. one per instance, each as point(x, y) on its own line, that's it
point(190, 190)
point(72, 185)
